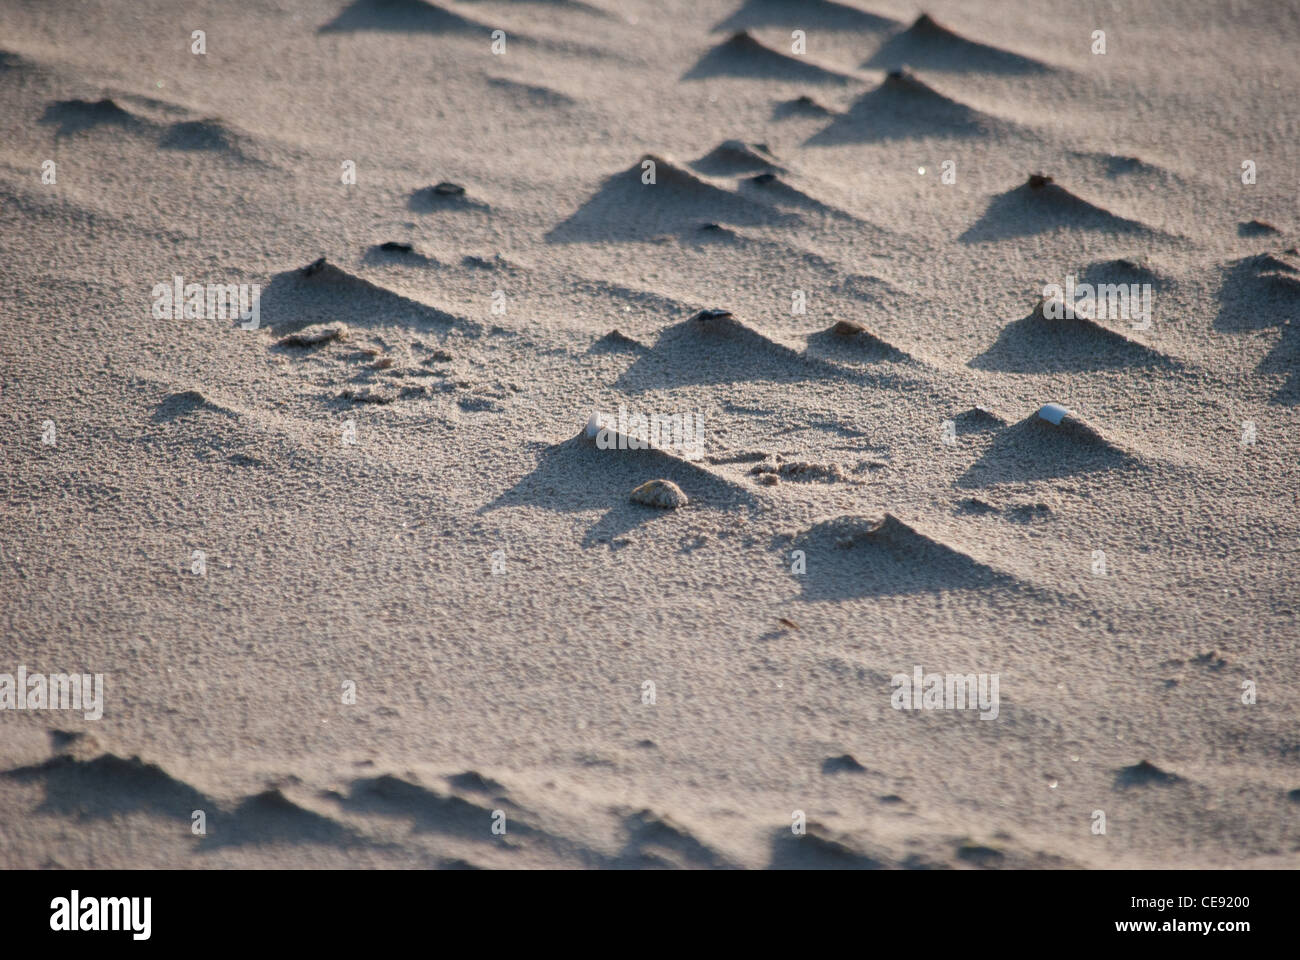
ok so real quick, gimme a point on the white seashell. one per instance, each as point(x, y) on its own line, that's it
point(1053, 413)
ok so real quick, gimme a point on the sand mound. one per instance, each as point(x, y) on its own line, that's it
point(75, 116)
point(721, 323)
point(1038, 206)
point(844, 340)
point(1035, 449)
point(658, 840)
point(802, 106)
point(1118, 164)
point(472, 781)
point(321, 293)
point(1267, 264)
point(465, 814)
point(197, 135)
point(932, 46)
point(845, 763)
point(398, 252)
point(10, 61)
point(804, 14)
point(772, 188)
point(1257, 228)
point(531, 93)
point(209, 135)
point(743, 56)
point(1259, 291)
point(626, 207)
point(271, 817)
point(822, 849)
point(444, 195)
point(616, 341)
point(1144, 774)
point(733, 158)
point(153, 119)
point(1277, 274)
point(578, 476)
point(1122, 164)
point(861, 556)
point(1127, 270)
point(715, 347)
point(402, 16)
point(194, 425)
point(90, 785)
point(904, 106)
point(715, 233)
point(977, 420)
point(108, 785)
point(1126, 166)
point(427, 809)
point(183, 403)
point(1041, 344)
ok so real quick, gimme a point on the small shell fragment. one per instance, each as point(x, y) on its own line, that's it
point(660, 493)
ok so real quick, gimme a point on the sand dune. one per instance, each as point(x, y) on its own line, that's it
point(736, 351)
point(603, 479)
point(627, 207)
point(800, 106)
point(773, 189)
point(81, 117)
point(905, 106)
point(932, 46)
point(885, 555)
point(845, 339)
point(819, 14)
point(744, 56)
point(1128, 270)
point(1261, 292)
point(405, 16)
point(75, 116)
point(320, 292)
point(1035, 449)
point(398, 251)
point(733, 158)
point(1036, 343)
point(210, 135)
point(1040, 205)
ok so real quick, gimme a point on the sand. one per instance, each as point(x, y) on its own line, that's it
point(362, 590)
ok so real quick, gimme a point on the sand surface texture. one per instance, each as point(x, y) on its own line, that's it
point(362, 590)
